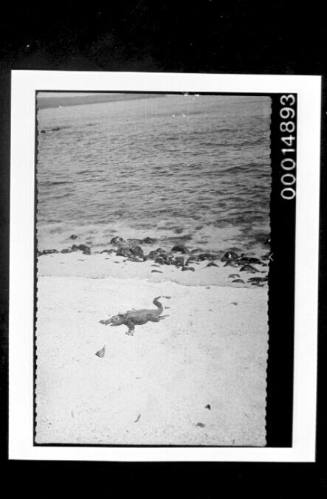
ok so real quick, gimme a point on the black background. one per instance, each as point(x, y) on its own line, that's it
point(170, 36)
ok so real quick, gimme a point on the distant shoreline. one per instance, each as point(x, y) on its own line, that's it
point(65, 101)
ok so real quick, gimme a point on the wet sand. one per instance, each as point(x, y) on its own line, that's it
point(198, 377)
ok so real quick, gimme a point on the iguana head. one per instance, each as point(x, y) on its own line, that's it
point(117, 320)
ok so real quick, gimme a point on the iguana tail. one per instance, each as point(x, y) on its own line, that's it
point(157, 303)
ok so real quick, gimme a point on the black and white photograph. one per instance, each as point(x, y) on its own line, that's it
point(164, 312)
point(153, 240)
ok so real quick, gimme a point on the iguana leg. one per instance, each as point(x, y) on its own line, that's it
point(157, 319)
point(131, 327)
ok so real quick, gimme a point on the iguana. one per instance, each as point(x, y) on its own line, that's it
point(133, 318)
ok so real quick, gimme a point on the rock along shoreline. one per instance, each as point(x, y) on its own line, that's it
point(244, 268)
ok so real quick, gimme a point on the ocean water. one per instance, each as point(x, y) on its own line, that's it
point(176, 167)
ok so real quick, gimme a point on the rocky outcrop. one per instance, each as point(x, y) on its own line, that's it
point(181, 257)
point(180, 248)
point(116, 241)
point(229, 255)
point(86, 250)
point(47, 252)
point(130, 251)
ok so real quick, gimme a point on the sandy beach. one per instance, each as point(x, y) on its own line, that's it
point(198, 377)
point(140, 198)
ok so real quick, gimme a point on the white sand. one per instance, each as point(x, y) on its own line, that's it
point(153, 387)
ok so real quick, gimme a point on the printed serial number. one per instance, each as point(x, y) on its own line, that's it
point(288, 128)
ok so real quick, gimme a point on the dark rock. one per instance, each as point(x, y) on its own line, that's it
point(240, 281)
point(130, 251)
point(73, 236)
point(124, 251)
point(180, 248)
point(67, 250)
point(160, 256)
point(212, 264)
point(149, 240)
point(205, 256)
point(137, 251)
point(208, 406)
point(154, 253)
point(201, 425)
point(248, 268)
point(158, 271)
point(188, 268)
point(229, 255)
point(48, 252)
point(255, 280)
point(169, 260)
point(234, 276)
point(163, 259)
point(179, 261)
point(86, 250)
point(117, 240)
point(248, 259)
point(231, 263)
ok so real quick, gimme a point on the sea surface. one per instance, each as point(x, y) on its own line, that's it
point(189, 168)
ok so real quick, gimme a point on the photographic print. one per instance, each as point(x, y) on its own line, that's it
point(153, 244)
point(164, 266)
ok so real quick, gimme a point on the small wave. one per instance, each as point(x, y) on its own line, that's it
point(50, 183)
point(85, 172)
point(61, 196)
point(55, 129)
